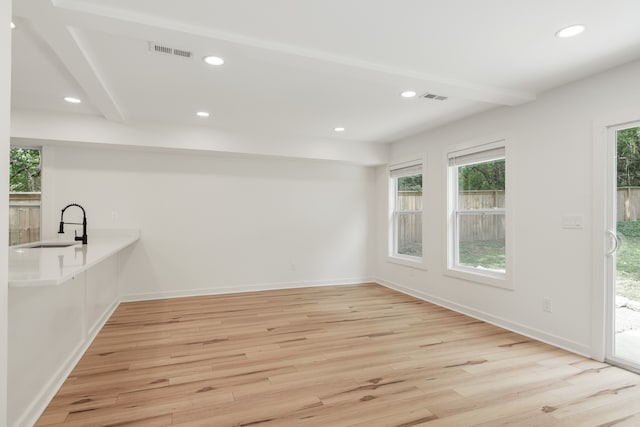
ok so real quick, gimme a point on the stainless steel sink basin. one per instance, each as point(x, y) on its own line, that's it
point(42, 245)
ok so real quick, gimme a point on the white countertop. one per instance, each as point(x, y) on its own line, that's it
point(54, 266)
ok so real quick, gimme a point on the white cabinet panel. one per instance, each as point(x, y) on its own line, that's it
point(45, 332)
point(101, 292)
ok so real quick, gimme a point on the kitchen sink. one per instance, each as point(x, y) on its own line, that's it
point(42, 245)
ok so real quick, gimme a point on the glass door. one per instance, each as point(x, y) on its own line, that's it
point(623, 293)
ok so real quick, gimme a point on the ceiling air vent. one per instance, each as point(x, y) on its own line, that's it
point(434, 97)
point(166, 50)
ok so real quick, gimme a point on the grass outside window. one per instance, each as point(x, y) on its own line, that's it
point(628, 260)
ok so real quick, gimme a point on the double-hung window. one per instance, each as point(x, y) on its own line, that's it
point(477, 212)
point(405, 182)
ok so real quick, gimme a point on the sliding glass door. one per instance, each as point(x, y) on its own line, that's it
point(623, 229)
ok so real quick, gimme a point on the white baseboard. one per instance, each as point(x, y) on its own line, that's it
point(40, 402)
point(146, 296)
point(536, 334)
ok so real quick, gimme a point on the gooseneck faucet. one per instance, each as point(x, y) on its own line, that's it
point(82, 239)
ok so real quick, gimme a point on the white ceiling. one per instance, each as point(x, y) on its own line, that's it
point(299, 68)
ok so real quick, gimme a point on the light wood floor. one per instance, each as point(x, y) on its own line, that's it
point(337, 356)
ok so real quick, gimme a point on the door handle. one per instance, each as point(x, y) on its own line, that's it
point(615, 241)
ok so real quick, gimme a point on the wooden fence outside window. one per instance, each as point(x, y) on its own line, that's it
point(24, 218)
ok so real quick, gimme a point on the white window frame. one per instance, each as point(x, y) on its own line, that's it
point(395, 171)
point(467, 156)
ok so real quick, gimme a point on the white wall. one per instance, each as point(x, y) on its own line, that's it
point(213, 223)
point(5, 101)
point(550, 146)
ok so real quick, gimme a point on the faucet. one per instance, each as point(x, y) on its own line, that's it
point(82, 239)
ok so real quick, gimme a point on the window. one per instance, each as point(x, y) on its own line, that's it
point(24, 195)
point(406, 211)
point(477, 220)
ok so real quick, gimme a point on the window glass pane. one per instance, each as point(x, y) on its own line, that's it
point(24, 170)
point(24, 195)
point(409, 193)
point(481, 185)
point(409, 215)
point(481, 241)
point(410, 183)
point(24, 224)
point(409, 233)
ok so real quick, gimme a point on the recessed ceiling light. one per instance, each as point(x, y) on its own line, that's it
point(72, 100)
point(570, 31)
point(13, 26)
point(339, 129)
point(202, 114)
point(213, 60)
point(408, 94)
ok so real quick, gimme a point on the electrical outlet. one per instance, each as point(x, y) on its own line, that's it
point(546, 305)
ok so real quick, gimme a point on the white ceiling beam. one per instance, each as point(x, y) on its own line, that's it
point(70, 49)
point(28, 126)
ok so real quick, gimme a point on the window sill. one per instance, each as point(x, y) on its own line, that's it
point(477, 276)
point(408, 262)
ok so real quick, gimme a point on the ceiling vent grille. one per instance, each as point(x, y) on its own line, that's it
point(166, 50)
point(434, 97)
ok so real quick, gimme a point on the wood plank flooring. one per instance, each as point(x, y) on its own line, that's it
point(336, 356)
